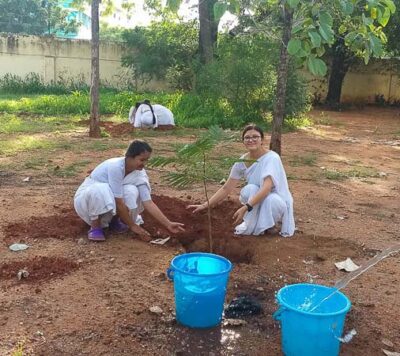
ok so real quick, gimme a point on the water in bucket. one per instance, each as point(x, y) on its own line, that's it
point(200, 282)
point(306, 333)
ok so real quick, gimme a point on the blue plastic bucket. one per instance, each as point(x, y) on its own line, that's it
point(306, 333)
point(200, 282)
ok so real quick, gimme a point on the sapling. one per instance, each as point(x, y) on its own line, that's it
point(195, 163)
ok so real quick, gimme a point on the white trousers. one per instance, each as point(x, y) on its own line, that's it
point(94, 200)
point(264, 215)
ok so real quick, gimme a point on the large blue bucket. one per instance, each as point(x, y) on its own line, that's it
point(200, 282)
point(306, 332)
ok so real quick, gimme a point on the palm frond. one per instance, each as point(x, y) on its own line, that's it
point(178, 179)
point(159, 161)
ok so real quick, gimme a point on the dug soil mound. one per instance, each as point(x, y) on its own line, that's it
point(64, 225)
point(196, 236)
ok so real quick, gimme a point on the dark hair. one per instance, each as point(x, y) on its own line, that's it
point(252, 127)
point(136, 148)
point(146, 102)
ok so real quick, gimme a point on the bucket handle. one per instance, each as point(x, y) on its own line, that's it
point(278, 314)
point(170, 273)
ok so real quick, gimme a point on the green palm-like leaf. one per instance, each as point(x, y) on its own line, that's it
point(159, 161)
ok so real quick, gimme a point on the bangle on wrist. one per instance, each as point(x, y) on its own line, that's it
point(249, 207)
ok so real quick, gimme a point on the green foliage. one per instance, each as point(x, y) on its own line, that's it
point(193, 161)
point(162, 48)
point(113, 34)
point(33, 83)
point(35, 17)
point(190, 110)
point(361, 24)
point(244, 76)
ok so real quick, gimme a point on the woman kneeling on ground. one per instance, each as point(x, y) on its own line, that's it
point(266, 198)
point(119, 189)
point(146, 115)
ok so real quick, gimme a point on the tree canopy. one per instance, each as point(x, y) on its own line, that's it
point(35, 17)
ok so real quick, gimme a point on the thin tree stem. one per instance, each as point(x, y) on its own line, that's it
point(210, 239)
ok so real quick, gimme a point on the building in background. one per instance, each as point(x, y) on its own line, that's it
point(81, 17)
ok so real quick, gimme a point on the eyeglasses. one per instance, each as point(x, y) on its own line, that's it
point(250, 138)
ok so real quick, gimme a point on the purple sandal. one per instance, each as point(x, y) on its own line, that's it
point(117, 226)
point(96, 234)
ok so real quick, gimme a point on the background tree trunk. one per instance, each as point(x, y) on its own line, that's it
point(208, 32)
point(94, 130)
point(341, 61)
point(280, 96)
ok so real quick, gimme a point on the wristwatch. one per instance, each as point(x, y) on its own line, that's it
point(249, 207)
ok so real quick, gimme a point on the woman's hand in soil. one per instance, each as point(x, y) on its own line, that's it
point(196, 208)
point(141, 233)
point(175, 227)
point(239, 215)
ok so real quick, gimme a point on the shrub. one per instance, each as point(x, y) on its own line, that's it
point(163, 48)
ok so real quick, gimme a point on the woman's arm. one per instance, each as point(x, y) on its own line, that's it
point(156, 213)
point(254, 200)
point(219, 195)
point(123, 213)
point(263, 192)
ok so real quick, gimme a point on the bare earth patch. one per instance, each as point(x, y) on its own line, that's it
point(83, 298)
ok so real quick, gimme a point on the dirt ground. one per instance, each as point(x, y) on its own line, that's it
point(84, 298)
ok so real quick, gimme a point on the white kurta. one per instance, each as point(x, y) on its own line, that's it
point(276, 207)
point(144, 116)
point(95, 198)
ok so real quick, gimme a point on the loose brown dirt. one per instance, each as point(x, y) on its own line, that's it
point(83, 298)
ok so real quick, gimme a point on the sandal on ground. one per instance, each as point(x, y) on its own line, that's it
point(117, 226)
point(96, 234)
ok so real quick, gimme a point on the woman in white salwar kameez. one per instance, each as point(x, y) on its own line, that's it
point(119, 189)
point(267, 201)
point(146, 115)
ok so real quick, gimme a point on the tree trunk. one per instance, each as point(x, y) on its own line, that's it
point(94, 130)
point(341, 62)
point(280, 96)
point(208, 32)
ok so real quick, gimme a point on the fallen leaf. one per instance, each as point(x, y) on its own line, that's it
point(156, 309)
point(348, 265)
point(387, 342)
point(390, 353)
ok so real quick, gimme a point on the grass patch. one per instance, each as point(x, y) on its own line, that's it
point(11, 123)
point(325, 120)
point(357, 172)
point(71, 170)
point(98, 145)
point(307, 160)
point(25, 143)
point(35, 163)
point(190, 110)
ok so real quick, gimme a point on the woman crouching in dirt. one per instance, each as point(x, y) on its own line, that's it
point(119, 189)
point(266, 198)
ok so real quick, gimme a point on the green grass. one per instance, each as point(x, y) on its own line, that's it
point(23, 123)
point(70, 170)
point(100, 145)
point(356, 172)
point(190, 110)
point(25, 143)
point(308, 159)
point(325, 120)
